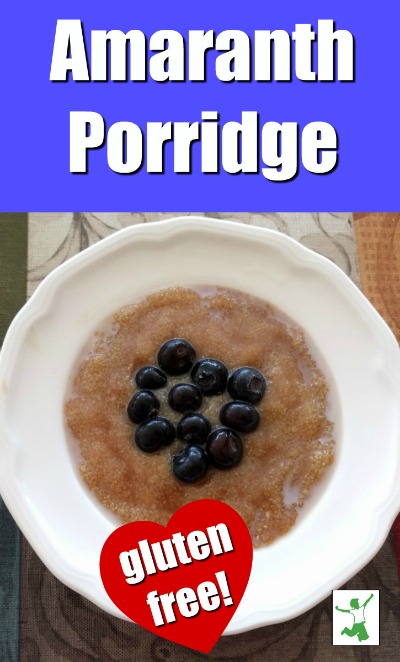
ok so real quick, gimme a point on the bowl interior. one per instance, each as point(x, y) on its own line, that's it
point(349, 515)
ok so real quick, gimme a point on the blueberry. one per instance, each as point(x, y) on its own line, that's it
point(210, 375)
point(190, 464)
point(176, 356)
point(184, 397)
point(247, 384)
point(143, 405)
point(224, 448)
point(239, 416)
point(150, 377)
point(194, 429)
point(154, 433)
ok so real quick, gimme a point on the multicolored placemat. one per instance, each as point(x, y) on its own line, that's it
point(43, 621)
point(378, 248)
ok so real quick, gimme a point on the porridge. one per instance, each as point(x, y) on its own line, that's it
point(285, 437)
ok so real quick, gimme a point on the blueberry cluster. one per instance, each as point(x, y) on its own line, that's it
point(223, 446)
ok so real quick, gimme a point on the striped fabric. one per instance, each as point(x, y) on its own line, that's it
point(43, 621)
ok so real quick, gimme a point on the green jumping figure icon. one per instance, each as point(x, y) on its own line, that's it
point(357, 611)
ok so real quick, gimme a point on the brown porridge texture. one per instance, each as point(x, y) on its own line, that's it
point(282, 459)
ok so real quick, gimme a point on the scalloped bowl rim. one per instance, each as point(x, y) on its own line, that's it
point(300, 258)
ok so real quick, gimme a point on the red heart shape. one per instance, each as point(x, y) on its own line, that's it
point(205, 548)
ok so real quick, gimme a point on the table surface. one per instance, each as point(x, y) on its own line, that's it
point(43, 621)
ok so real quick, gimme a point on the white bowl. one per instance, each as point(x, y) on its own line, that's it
point(347, 521)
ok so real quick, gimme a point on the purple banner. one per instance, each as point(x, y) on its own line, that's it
point(212, 107)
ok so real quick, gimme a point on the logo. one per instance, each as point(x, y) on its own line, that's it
point(355, 618)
